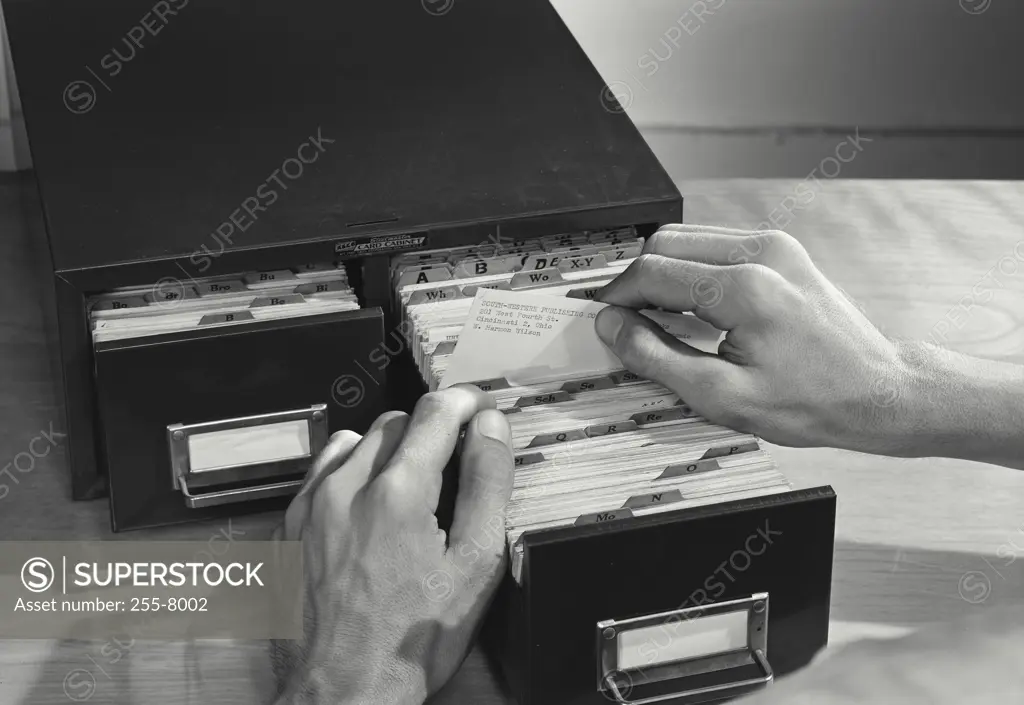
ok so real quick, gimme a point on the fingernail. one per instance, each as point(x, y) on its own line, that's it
point(493, 424)
point(609, 322)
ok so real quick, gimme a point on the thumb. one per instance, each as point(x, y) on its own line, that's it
point(646, 349)
point(477, 536)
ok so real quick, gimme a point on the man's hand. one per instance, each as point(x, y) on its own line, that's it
point(801, 365)
point(392, 603)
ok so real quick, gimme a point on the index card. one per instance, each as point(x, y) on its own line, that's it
point(531, 338)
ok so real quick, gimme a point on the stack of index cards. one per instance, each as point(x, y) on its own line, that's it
point(181, 305)
point(593, 442)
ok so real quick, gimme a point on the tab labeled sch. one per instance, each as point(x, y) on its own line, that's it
point(548, 398)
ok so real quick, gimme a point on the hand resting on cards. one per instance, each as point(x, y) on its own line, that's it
point(392, 603)
point(801, 365)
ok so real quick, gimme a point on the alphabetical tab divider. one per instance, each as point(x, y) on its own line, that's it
point(445, 347)
point(324, 287)
point(173, 295)
point(582, 264)
point(588, 293)
point(491, 385)
point(425, 275)
point(614, 253)
point(486, 266)
point(529, 459)
point(279, 300)
point(592, 384)
point(694, 468)
point(470, 291)
point(547, 439)
point(724, 451)
point(653, 499)
point(672, 413)
point(426, 296)
point(277, 277)
point(607, 429)
point(219, 287)
point(625, 377)
point(547, 398)
point(232, 317)
point(602, 517)
point(530, 280)
point(113, 304)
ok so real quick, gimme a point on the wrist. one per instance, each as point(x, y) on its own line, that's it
point(945, 404)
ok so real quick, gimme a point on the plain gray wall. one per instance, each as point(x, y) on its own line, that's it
point(780, 63)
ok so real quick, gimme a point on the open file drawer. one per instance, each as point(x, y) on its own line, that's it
point(197, 423)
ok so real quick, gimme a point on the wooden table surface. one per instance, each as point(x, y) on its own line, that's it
point(918, 541)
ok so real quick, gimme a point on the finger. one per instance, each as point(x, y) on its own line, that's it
point(698, 229)
point(337, 450)
point(477, 536)
point(722, 296)
point(330, 459)
point(726, 246)
point(412, 477)
point(721, 246)
point(378, 446)
point(367, 455)
point(646, 349)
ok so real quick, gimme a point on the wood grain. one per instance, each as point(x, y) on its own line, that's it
point(918, 540)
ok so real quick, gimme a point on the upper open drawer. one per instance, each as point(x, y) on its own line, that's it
point(237, 412)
